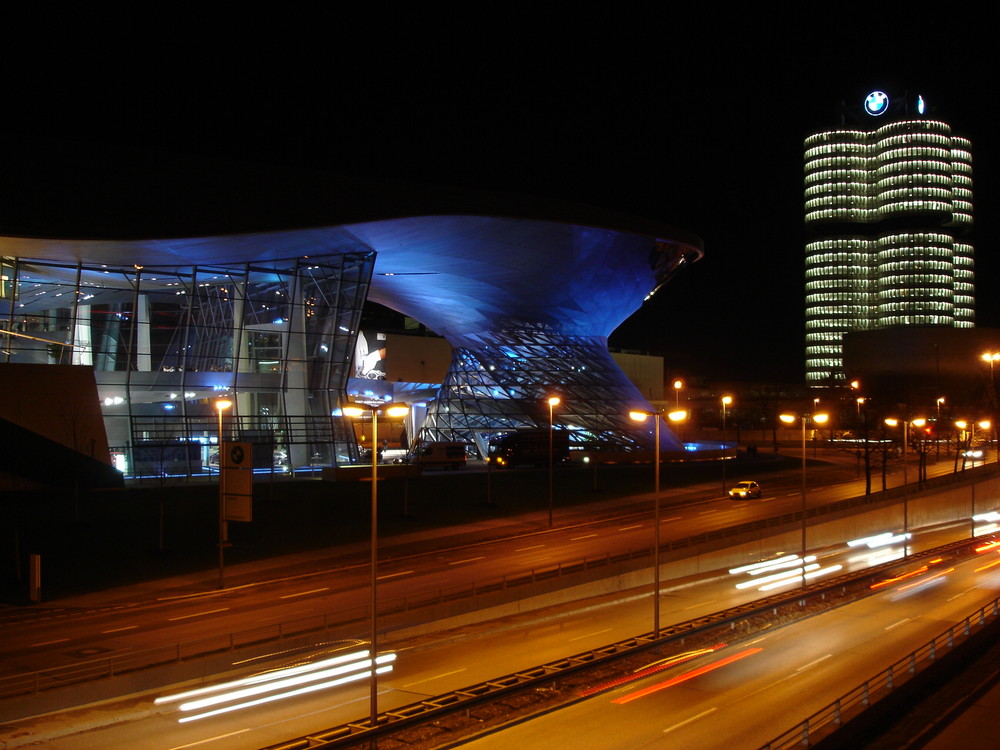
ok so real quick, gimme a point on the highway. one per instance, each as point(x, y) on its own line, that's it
point(744, 695)
point(424, 667)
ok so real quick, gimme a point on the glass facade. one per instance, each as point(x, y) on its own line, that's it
point(504, 382)
point(276, 337)
point(887, 210)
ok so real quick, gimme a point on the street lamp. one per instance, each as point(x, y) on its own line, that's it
point(553, 402)
point(220, 406)
point(817, 419)
point(356, 410)
point(641, 416)
point(678, 385)
point(859, 401)
point(726, 401)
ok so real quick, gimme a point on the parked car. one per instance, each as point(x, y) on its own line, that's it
point(745, 489)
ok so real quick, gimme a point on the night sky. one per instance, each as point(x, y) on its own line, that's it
point(698, 123)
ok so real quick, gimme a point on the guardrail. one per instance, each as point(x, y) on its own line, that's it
point(104, 667)
point(852, 703)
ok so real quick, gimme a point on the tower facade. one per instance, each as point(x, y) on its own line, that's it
point(888, 213)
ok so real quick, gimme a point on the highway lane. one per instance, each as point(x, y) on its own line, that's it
point(746, 694)
point(445, 662)
point(52, 642)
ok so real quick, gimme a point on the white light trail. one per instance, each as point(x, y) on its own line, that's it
point(279, 684)
point(753, 566)
point(808, 576)
point(879, 540)
point(783, 576)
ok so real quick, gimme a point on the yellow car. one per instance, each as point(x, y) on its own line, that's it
point(744, 490)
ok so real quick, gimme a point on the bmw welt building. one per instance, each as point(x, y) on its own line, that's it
point(253, 288)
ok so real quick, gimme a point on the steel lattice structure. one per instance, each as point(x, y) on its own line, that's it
point(503, 385)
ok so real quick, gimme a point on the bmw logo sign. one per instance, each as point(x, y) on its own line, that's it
point(876, 103)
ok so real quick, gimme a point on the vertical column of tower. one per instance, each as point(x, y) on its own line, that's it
point(961, 216)
point(838, 265)
point(914, 279)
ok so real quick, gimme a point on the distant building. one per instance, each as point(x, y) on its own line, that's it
point(888, 211)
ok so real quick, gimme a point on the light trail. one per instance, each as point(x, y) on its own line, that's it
point(686, 676)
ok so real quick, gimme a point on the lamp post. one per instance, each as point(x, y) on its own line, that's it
point(920, 422)
point(859, 401)
point(356, 410)
point(992, 358)
point(817, 419)
point(678, 385)
point(937, 431)
point(726, 401)
point(220, 406)
point(553, 401)
point(642, 416)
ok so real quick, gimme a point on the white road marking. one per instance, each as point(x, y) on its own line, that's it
point(435, 677)
point(950, 598)
point(395, 575)
point(668, 520)
point(210, 739)
point(688, 721)
point(897, 624)
point(198, 614)
point(525, 549)
point(813, 663)
point(585, 536)
point(48, 643)
point(701, 604)
point(588, 635)
point(471, 559)
point(629, 528)
point(118, 630)
point(303, 593)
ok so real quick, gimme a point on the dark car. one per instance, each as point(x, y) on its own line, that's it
point(743, 490)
